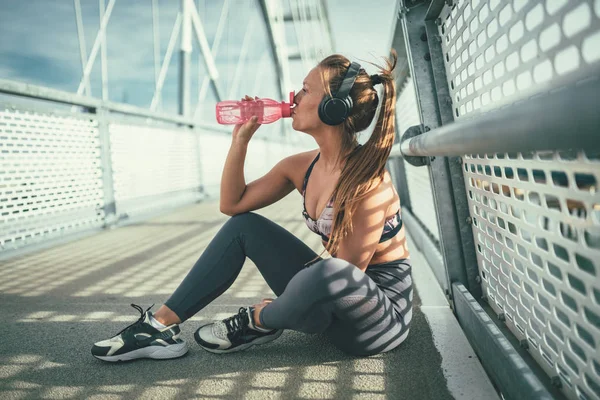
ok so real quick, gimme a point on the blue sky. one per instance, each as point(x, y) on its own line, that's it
point(39, 45)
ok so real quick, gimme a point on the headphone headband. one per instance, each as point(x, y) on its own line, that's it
point(348, 81)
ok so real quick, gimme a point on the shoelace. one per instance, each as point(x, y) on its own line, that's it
point(139, 321)
point(237, 325)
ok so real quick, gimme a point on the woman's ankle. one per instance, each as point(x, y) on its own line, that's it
point(256, 315)
point(166, 316)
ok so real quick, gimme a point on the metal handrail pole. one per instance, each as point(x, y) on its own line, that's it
point(59, 96)
point(564, 119)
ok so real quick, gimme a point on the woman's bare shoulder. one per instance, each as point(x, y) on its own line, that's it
point(295, 166)
point(299, 160)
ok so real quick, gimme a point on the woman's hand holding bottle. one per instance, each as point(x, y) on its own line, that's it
point(242, 133)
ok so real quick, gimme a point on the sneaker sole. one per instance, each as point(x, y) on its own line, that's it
point(155, 352)
point(262, 340)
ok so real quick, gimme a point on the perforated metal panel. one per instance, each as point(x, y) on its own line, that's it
point(537, 231)
point(417, 178)
point(50, 177)
point(153, 168)
point(499, 51)
point(536, 216)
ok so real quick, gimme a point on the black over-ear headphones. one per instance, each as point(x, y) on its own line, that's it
point(334, 110)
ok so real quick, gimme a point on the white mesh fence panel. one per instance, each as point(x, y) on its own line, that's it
point(418, 179)
point(50, 177)
point(153, 168)
point(536, 215)
point(537, 232)
point(497, 52)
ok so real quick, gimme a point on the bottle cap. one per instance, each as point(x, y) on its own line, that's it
point(286, 108)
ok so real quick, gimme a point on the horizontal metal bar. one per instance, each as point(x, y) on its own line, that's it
point(59, 96)
point(395, 152)
point(507, 369)
point(563, 119)
point(309, 16)
point(43, 93)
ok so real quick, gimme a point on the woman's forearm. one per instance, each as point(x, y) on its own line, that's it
point(233, 183)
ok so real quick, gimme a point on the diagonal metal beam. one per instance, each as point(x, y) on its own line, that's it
point(185, 57)
point(307, 35)
point(163, 71)
point(324, 17)
point(208, 58)
point(103, 61)
point(276, 37)
point(313, 33)
point(156, 41)
point(95, 47)
point(82, 44)
point(214, 49)
point(237, 75)
point(316, 29)
point(300, 35)
point(259, 74)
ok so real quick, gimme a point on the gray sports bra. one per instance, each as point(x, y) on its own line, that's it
point(323, 224)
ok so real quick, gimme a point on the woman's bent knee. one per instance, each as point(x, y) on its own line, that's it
point(244, 222)
point(243, 218)
point(249, 219)
point(333, 269)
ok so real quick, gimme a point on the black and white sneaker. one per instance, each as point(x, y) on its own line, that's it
point(234, 333)
point(141, 340)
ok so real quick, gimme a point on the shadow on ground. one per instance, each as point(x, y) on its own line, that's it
point(57, 302)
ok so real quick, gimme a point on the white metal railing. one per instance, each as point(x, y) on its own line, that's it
point(523, 78)
point(64, 173)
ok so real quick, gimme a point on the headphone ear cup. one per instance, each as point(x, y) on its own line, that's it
point(349, 105)
point(322, 113)
point(333, 111)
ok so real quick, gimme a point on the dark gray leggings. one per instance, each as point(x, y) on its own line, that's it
point(330, 296)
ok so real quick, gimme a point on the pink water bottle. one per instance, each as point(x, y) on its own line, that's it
point(237, 112)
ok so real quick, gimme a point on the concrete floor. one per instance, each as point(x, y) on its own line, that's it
point(57, 302)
